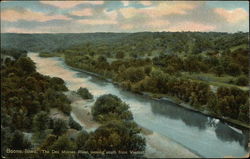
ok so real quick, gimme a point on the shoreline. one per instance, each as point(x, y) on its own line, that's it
point(232, 122)
point(167, 148)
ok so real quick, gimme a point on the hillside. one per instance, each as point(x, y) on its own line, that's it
point(208, 71)
point(50, 42)
point(142, 43)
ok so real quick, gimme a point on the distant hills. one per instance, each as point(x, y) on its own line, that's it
point(50, 42)
point(142, 41)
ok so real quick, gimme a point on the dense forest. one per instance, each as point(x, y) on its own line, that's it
point(209, 71)
point(27, 122)
point(51, 42)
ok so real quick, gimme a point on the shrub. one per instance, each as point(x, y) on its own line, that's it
point(84, 93)
point(109, 107)
point(73, 124)
point(242, 81)
point(59, 127)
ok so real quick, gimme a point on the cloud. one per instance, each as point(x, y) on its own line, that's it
point(191, 26)
point(111, 14)
point(164, 8)
point(70, 4)
point(232, 16)
point(84, 12)
point(146, 3)
point(125, 3)
point(12, 15)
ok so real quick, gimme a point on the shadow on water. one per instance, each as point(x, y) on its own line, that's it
point(227, 134)
point(200, 121)
point(173, 111)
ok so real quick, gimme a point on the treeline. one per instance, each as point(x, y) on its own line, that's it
point(232, 63)
point(15, 53)
point(159, 43)
point(52, 42)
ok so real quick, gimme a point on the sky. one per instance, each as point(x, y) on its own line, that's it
point(123, 16)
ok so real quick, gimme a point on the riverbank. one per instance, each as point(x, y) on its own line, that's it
point(206, 136)
point(187, 106)
point(232, 122)
point(158, 146)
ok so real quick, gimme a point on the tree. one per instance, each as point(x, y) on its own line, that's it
point(234, 69)
point(148, 69)
point(134, 74)
point(26, 64)
point(73, 124)
point(244, 113)
point(219, 70)
point(242, 81)
point(109, 107)
point(58, 84)
point(63, 143)
point(101, 59)
point(50, 139)
point(81, 139)
point(18, 141)
point(84, 93)
point(41, 122)
point(170, 69)
point(120, 55)
point(116, 136)
point(59, 127)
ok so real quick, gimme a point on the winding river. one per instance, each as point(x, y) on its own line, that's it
point(205, 136)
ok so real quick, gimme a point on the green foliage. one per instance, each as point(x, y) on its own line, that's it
point(134, 74)
point(63, 143)
point(120, 55)
point(73, 124)
point(16, 53)
point(148, 70)
point(18, 141)
point(58, 84)
point(242, 81)
point(26, 64)
point(219, 70)
point(50, 140)
point(84, 93)
point(41, 122)
point(234, 69)
point(59, 127)
point(81, 139)
point(116, 136)
point(109, 107)
point(231, 101)
point(46, 54)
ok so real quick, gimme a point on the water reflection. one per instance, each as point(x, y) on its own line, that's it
point(192, 119)
point(227, 134)
point(173, 111)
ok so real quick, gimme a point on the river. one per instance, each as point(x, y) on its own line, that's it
point(205, 136)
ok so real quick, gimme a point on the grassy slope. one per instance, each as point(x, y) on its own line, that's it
point(214, 80)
